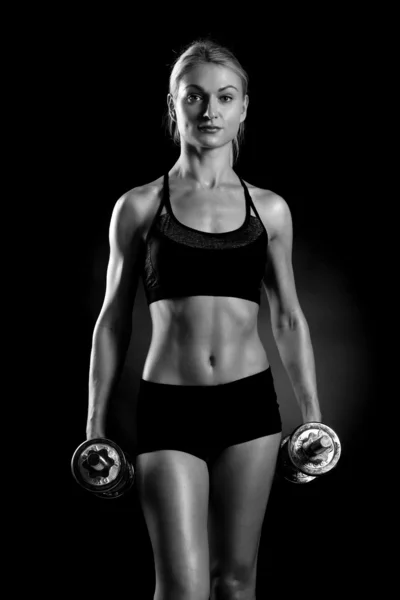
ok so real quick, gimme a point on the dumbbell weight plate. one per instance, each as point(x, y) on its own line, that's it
point(325, 461)
point(123, 486)
point(286, 467)
point(104, 475)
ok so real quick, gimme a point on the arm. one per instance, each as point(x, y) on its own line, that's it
point(113, 328)
point(289, 325)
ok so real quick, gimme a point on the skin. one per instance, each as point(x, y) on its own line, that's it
point(204, 521)
point(205, 340)
point(199, 102)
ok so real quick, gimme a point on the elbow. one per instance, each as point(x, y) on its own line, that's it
point(118, 323)
point(289, 320)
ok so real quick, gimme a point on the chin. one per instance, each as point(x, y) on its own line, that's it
point(210, 140)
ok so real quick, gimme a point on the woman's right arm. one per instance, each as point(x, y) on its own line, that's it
point(113, 327)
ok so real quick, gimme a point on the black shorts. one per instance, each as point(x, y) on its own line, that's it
point(205, 419)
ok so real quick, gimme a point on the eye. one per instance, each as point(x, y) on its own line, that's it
point(190, 96)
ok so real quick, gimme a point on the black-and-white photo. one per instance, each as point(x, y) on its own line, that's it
point(223, 339)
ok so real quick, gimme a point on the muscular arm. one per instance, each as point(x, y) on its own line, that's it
point(296, 352)
point(109, 348)
point(113, 328)
point(289, 325)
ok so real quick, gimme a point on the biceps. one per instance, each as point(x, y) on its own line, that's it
point(115, 280)
point(121, 287)
point(125, 259)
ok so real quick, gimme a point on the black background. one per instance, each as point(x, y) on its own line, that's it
point(310, 137)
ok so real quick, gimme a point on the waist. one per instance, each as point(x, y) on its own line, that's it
point(203, 362)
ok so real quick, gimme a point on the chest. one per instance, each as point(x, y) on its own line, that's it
point(207, 216)
point(213, 214)
point(216, 213)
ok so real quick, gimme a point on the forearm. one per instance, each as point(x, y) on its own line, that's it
point(108, 352)
point(296, 352)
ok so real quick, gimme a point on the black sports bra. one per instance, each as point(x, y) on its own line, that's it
point(181, 261)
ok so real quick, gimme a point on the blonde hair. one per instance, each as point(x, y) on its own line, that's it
point(199, 52)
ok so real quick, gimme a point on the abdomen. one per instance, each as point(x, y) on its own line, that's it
point(204, 340)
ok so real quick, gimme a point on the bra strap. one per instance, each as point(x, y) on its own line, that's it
point(249, 200)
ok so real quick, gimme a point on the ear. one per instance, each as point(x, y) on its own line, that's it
point(171, 107)
point(244, 108)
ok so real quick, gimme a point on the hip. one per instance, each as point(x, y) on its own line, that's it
point(244, 406)
point(237, 396)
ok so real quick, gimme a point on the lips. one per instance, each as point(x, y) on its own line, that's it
point(208, 128)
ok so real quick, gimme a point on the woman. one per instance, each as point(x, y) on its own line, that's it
point(208, 422)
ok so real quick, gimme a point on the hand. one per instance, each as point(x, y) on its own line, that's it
point(318, 455)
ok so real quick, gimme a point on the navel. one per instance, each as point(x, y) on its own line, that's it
point(212, 360)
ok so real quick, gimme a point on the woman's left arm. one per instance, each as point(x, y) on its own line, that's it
point(288, 323)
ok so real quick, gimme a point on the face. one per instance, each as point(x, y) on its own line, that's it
point(209, 95)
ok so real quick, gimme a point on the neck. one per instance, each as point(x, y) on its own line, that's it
point(208, 168)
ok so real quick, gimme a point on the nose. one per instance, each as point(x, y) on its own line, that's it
point(211, 109)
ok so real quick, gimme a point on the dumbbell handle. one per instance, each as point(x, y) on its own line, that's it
point(96, 459)
point(314, 447)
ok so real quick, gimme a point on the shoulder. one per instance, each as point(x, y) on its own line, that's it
point(132, 213)
point(274, 211)
point(140, 198)
point(137, 204)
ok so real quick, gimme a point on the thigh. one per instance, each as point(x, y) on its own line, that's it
point(173, 490)
point(240, 483)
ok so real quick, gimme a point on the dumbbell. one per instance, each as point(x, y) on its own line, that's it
point(310, 451)
point(101, 467)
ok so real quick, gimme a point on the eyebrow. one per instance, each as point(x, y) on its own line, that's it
point(200, 88)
